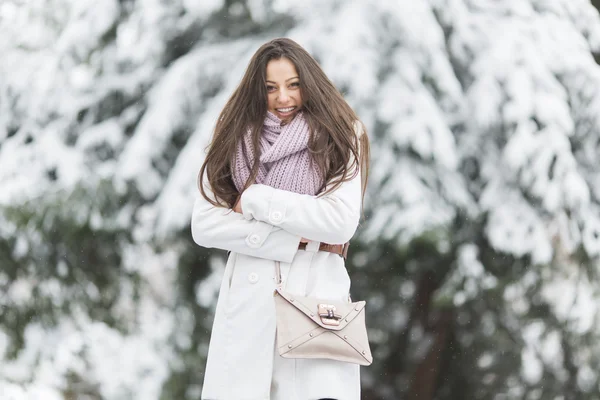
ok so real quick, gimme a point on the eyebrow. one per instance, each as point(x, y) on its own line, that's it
point(295, 77)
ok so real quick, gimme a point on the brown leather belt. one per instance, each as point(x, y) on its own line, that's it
point(341, 249)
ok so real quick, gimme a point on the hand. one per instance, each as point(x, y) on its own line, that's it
point(238, 205)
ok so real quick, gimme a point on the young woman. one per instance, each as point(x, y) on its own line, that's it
point(283, 180)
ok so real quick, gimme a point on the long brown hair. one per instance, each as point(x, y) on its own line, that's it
point(335, 147)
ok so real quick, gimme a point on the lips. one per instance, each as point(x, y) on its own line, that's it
point(285, 111)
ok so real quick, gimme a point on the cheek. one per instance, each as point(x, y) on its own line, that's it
point(271, 101)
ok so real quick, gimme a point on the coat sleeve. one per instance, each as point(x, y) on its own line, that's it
point(332, 218)
point(222, 228)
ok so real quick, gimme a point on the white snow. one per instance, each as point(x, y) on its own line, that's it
point(510, 88)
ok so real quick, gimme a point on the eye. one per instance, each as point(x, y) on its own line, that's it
point(270, 88)
point(295, 84)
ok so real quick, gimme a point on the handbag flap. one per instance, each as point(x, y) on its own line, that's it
point(309, 306)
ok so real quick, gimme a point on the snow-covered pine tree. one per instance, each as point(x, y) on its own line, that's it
point(525, 285)
point(480, 251)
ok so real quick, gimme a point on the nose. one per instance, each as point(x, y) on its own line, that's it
point(283, 95)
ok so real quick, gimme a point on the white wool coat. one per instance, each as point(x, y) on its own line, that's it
point(243, 363)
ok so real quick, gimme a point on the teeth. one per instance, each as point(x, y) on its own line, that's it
point(285, 109)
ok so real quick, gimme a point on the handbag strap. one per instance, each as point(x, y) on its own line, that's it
point(341, 249)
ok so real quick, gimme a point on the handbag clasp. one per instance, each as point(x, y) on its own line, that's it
point(328, 315)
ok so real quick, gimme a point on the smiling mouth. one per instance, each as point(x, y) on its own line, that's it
point(285, 111)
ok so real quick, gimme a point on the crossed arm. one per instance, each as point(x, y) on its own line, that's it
point(270, 223)
point(238, 209)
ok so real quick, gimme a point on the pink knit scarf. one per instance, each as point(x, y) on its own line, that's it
point(285, 161)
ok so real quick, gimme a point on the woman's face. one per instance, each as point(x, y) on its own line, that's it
point(284, 96)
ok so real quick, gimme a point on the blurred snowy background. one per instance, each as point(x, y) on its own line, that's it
point(479, 257)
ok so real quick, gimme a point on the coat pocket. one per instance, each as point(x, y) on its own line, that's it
point(231, 260)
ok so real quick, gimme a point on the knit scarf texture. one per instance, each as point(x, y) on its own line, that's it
point(285, 161)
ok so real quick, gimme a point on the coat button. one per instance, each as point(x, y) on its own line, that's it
point(254, 239)
point(252, 277)
point(276, 216)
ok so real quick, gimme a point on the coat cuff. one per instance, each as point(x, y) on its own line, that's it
point(264, 203)
point(278, 243)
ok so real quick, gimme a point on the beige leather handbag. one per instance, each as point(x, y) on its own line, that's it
point(308, 327)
